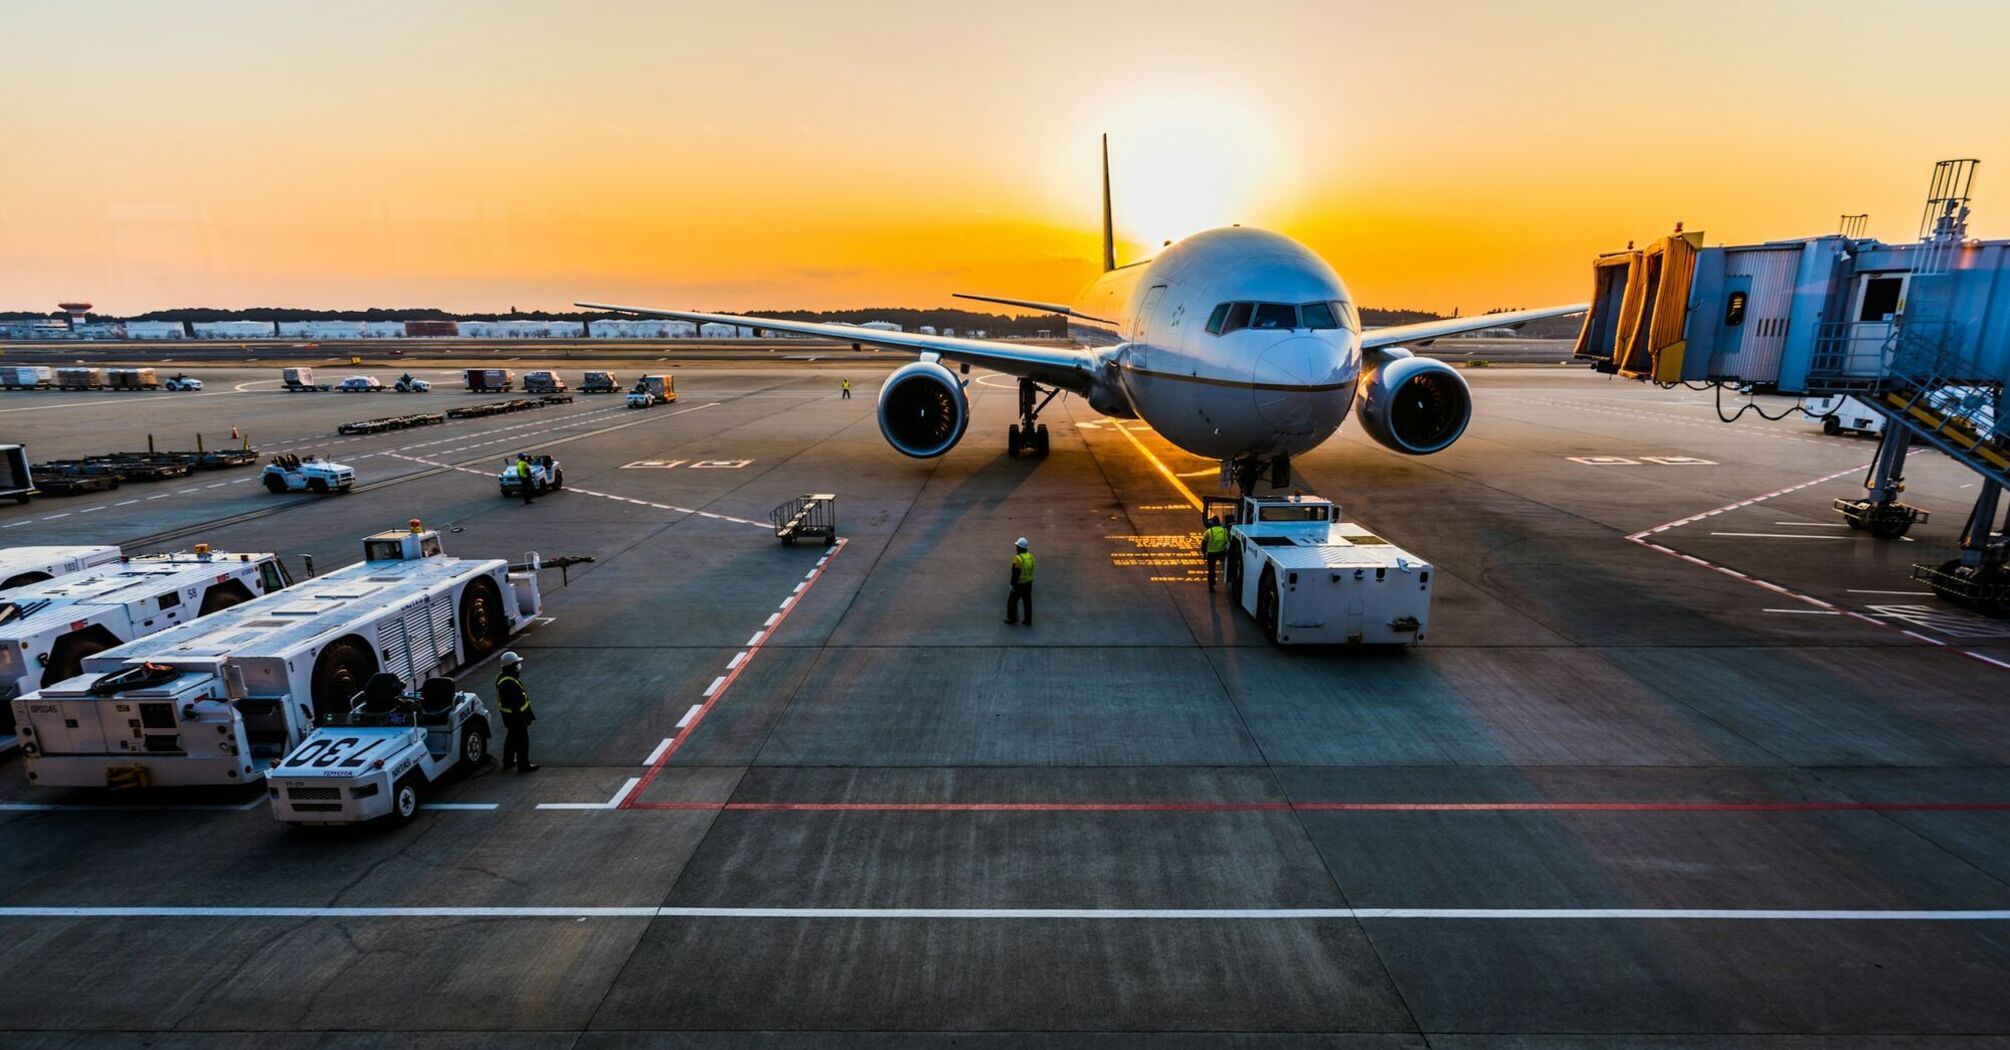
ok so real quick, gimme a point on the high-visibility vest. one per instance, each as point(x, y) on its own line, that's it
point(523, 468)
point(1022, 567)
point(847, 384)
point(502, 696)
point(1215, 540)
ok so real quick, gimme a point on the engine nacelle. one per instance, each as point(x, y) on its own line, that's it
point(922, 410)
point(1412, 404)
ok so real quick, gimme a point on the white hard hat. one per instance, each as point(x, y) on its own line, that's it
point(1022, 541)
point(511, 658)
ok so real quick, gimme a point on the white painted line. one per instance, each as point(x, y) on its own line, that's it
point(1781, 535)
point(788, 601)
point(612, 803)
point(681, 723)
point(125, 503)
point(163, 495)
point(1081, 914)
point(15, 525)
point(1965, 652)
point(714, 687)
point(1919, 594)
point(756, 639)
point(1805, 612)
point(735, 661)
point(772, 617)
point(653, 755)
point(90, 510)
point(458, 805)
point(1817, 524)
point(53, 517)
point(798, 590)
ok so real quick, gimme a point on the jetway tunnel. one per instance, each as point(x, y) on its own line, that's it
point(1919, 332)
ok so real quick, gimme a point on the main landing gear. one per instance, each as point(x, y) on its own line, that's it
point(1029, 435)
point(1247, 471)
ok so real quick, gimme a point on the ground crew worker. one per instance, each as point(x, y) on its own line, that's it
point(517, 716)
point(1022, 586)
point(1214, 544)
point(523, 477)
point(845, 385)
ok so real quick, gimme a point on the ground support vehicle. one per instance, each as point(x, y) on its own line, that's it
point(1309, 578)
point(301, 381)
point(663, 386)
point(217, 701)
point(182, 382)
point(1843, 413)
point(22, 565)
point(383, 423)
point(217, 459)
point(17, 480)
point(411, 384)
point(489, 380)
point(80, 379)
point(67, 483)
point(132, 379)
point(599, 383)
point(360, 385)
point(48, 628)
point(807, 517)
point(374, 760)
point(543, 382)
point(26, 377)
point(291, 473)
point(545, 476)
point(555, 399)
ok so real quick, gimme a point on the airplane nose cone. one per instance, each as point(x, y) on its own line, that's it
point(1283, 373)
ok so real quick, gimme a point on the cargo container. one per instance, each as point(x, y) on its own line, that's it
point(26, 377)
point(300, 380)
point(543, 382)
point(599, 383)
point(156, 330)
point(132, 379)
point(489, 380)
point(80, 378)
point(221, 699)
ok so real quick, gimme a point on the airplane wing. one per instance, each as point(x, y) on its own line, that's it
point(1425, 331)
point(1061, 366)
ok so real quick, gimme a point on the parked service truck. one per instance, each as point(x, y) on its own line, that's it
point(599, 383)
point(1309, 578)
point(219, 700)
point(373, 760)
point(489, 380)
point(25, 565)
point(543, 382)
point(17, 478)
point(48, 628)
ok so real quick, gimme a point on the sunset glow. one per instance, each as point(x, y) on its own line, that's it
point(476, 156)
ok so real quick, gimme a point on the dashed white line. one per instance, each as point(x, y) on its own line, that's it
point(609, 804)
point(1021, 914)
point(714, 687)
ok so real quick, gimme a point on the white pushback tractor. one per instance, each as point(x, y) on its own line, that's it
point(20, 565)
point(1309, 578)
point(373, 760)
point(219, 700)
point(47, 629)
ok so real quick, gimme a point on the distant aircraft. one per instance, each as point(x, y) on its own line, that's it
point(1235, 344)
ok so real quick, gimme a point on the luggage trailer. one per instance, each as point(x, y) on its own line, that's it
point(219, 700)
point(1308, 578)
point(47, 629)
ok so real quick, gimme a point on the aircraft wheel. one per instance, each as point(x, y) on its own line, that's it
point(1040, 440)
point(1012, 441)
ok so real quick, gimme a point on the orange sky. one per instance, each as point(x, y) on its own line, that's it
point(480, 155)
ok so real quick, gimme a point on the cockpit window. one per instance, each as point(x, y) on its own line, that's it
point(1237, 318)
point(1318, 315)
point(1275, 315)
point(1215, 319)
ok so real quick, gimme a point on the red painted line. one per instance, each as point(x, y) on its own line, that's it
point(1330, 807)
point(719, 691)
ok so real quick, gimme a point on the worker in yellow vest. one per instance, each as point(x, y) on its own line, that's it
point(845, 385)
point(514, 704)
point(1214, 544)
point(523, 477)
point(1022, 586)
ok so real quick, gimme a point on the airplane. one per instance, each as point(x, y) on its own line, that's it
point(1235, 344)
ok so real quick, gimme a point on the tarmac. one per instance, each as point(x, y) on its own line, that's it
point(1681, 761)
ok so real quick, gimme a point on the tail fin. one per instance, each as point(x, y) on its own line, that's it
point(1109, 231)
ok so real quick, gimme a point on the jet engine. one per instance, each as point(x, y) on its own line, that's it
point(922, 410)
point(1412, 404)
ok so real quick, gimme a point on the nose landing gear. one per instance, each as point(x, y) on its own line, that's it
point(1029, 435)
point(1245, 472)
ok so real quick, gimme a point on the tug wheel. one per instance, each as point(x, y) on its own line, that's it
point(483, 623)
point(404, 800)
point(474, 747)
point(1266, 604)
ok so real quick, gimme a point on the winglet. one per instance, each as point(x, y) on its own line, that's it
point(1109, 231)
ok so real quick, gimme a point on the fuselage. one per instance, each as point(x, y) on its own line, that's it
point(1231, 342)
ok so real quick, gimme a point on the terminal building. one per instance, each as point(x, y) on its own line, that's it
point(1918, 332)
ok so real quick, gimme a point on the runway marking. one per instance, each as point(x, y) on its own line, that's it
point(1817, 524)
point(1916, 594)
point(1335, 807)
point(720, 686)
point(458, 805)
point(611, 803)
point(1162, 468)
point(658, 751)
point(1021, 914)
point(1806, 612)
point(735, 661)
point(681, 723)
point(1780, 535)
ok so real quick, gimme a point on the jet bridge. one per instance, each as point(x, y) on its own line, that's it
point(1918, 331)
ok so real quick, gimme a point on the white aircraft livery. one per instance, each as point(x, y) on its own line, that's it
point(1235, 344)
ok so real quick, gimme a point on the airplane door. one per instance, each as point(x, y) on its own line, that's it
point(1140, 355)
